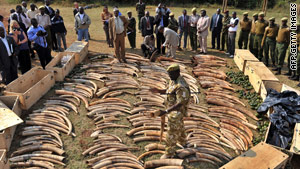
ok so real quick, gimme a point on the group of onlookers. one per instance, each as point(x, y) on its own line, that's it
point(37, 30)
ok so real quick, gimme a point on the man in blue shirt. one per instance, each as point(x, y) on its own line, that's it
point(37, 35)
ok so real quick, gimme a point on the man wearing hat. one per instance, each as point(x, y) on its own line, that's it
point(245, 30)
point(215, 28)
point(260, 26)
point(183, 24)
point(252, 35)
point(224, 38)
point(131, 29)
point(269, 41)
point(202, 31)
point(282, 43)
point(171, 40)
point(44, 20)
point(140, 8)
point(117, 31)
point(178, 95)
point(193, 29)
point(173, 24)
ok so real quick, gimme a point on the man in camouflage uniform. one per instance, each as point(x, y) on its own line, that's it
point(224, 34)
point(252, 35)
point(140, 8)
point(178, 95)
point(260, 26)
point(282, 43)
point(173, 24)
point(245, 30)
point(269, 41)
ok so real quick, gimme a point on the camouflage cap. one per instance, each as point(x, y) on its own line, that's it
point(194, 9)
point(261, 14)
point(245, 13)
point(255, 14)
point(129, 12)
point(171, 14)
point(42, 7)
point(284, 19)
point(272, 19)
point(173, 67)
point(298, 24)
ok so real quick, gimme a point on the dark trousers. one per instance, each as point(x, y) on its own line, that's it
point(54, 40)
point(147, 51)
point(44, 55)
point(106, 30)
point(10, 73)
point(24, 61)
point(160, 39)
point(243, 39)
point(131, 39)
point(231, 42)
point(215, 34)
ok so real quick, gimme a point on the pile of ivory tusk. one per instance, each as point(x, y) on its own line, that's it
point(42, 146)
point(233, 114)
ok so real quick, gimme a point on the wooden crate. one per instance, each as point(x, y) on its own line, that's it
point(6, 136)
point(61, 72)
point(276, 85)
point(286, 87)
point(4, 164)
point(31, 86)
point(258, 73)
point(295, 147)
point(80, 49)
point(243, 56)
point(261, 156)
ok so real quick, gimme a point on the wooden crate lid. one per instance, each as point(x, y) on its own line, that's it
point(8, 118)
point(245, 54)
point(262, 156)
point(262, 71)
point(77, 46)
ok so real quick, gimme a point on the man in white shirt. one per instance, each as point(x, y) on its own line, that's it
point(117, 30)
point(31, 13)
point(202, 31)
point(233, 26)
point(171, 42)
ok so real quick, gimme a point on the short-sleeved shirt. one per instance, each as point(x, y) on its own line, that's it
point(260, 27)
point(283, 35)
point(43, 20)
point(178, 92)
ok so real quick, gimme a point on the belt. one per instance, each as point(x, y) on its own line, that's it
point(232, 31)
point(281, 42)
point(245, 30)
point(259, 35)
point(194, 26)
point(273, 38)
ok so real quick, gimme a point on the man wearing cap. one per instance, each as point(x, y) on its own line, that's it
point(44, 20)
point(224, 38)
point(131, 29)
point(215, 28)
point(183, 25)
point(82, 24)
point(147, 23)
point(245, 30)
point(233, 26)
point(105, 16)
point(173, 24)
point(282, 43)
point(193, 29)
point(160, 20)
point(252, 35)
point(171, 42)
point(140, 8)
point(178, 95)
point(117, 31)
point(260, 26)
point(202, 31)
point(269, 41)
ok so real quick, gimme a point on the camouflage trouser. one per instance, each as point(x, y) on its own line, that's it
point(176, 132)
point(251, 44)
point(257, 46)
point(224, 40)
point(193, 37)
point(280, 53)
point(269, 45)
point(243, 39)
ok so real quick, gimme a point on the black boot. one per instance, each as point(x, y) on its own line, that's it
point(275, 69)
point(296, 78)
point(267, 64)
point(298, 84)
point(289, 73)
point(278, 71)
point(293, 74)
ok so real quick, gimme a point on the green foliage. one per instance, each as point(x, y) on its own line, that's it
point(240, 79)
point(253, 98)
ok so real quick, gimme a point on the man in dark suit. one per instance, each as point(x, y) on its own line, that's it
point(215, 28)
point(50, 11)
point(183, 22)
point(147, 23)
point(160, 20)
point(8, 57)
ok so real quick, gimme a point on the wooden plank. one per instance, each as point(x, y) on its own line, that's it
point(258, 73)
point(80, 49)
point(276, 85)
point(61, 72)
point(295, 147)
point(242, 56)
point(41, 83)
point(262, 156)
point(4, 164)
point(6, 136)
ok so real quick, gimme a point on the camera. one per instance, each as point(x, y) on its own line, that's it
point(16, 29)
